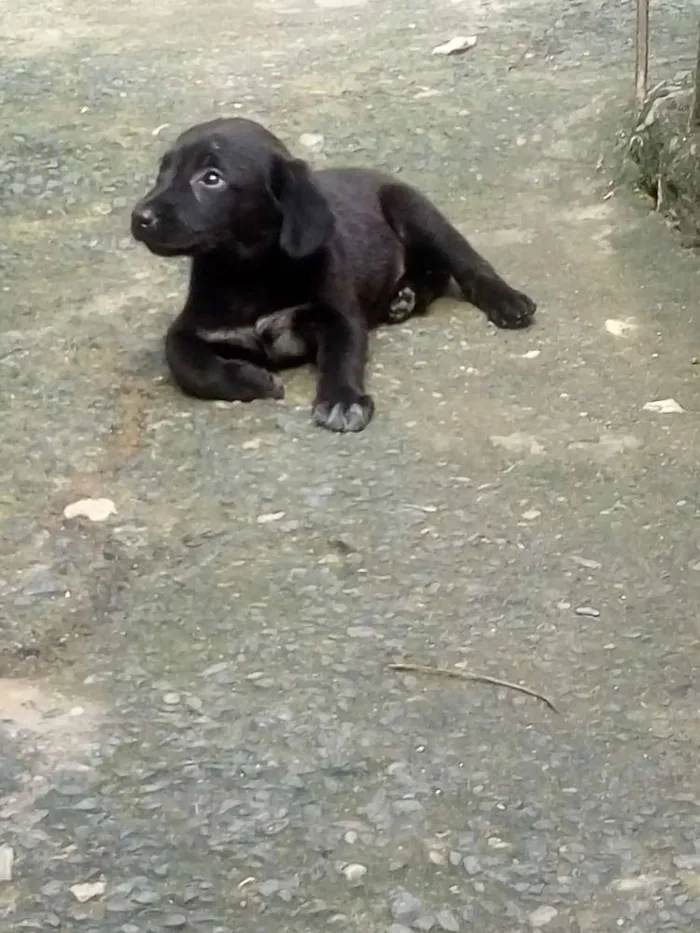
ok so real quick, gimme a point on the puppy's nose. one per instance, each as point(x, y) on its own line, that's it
point(145, 218)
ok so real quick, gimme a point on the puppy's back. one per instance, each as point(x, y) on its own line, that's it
point(354, 194)
point(361, 185)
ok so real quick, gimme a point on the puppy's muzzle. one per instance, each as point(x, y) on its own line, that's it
point(144, 221)
point(145, 218)
point(153, 229)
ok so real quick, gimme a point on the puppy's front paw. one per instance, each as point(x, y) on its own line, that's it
point(512, 309)
point(403, 306)
point(351, 412)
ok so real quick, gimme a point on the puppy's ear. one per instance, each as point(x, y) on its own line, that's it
point(307, 220)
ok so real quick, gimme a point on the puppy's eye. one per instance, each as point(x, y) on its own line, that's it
point(212, 178)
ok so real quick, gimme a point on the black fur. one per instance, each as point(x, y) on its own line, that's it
point(290, 265)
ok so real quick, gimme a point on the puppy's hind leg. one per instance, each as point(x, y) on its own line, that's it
point(415, 291)
point(431, 241)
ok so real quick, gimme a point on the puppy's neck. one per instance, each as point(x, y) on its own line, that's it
point(264, 260)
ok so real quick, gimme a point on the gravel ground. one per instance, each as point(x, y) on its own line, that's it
point(201, 729)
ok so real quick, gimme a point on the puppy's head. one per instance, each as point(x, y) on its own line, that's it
point(231, 185)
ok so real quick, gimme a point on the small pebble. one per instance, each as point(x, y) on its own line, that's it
point(664, 406)
point(588, 611)
point(350, 837)
point(360, 631)
point(97, 510)
point(268, 517)
point(424, 923)
point(85, 892)
point(42, 582)
point(312, 141)
point(406, 907)
point(586, 562)
point(51, 888)
point(687, 862)
point(175, 921)
point(495, 842)
point(354, 873)
point(119, 905)
point(146, 897)
point(542, 916)
point(7, 857)
point(216, 669)
point(455, 46)
point(171, 699)
point(447, 921)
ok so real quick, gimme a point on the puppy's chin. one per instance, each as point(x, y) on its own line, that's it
point(168, 251)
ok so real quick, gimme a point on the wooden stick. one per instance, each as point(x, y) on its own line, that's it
point(694, 119)
point(474, 678)
point(642, 45)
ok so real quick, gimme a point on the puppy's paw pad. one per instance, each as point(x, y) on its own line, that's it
point(344, 416)
point(402, 306)
point(514, 310)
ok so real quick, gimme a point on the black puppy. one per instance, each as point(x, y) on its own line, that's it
point(290, 265)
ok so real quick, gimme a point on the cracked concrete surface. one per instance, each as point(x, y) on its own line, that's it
point(198, 716)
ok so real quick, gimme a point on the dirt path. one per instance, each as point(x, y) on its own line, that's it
point(200, 719)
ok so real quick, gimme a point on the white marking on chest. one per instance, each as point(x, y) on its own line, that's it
point(225, 334)
point(276, 331)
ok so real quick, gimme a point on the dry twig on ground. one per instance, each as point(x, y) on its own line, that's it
point(470, 676)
